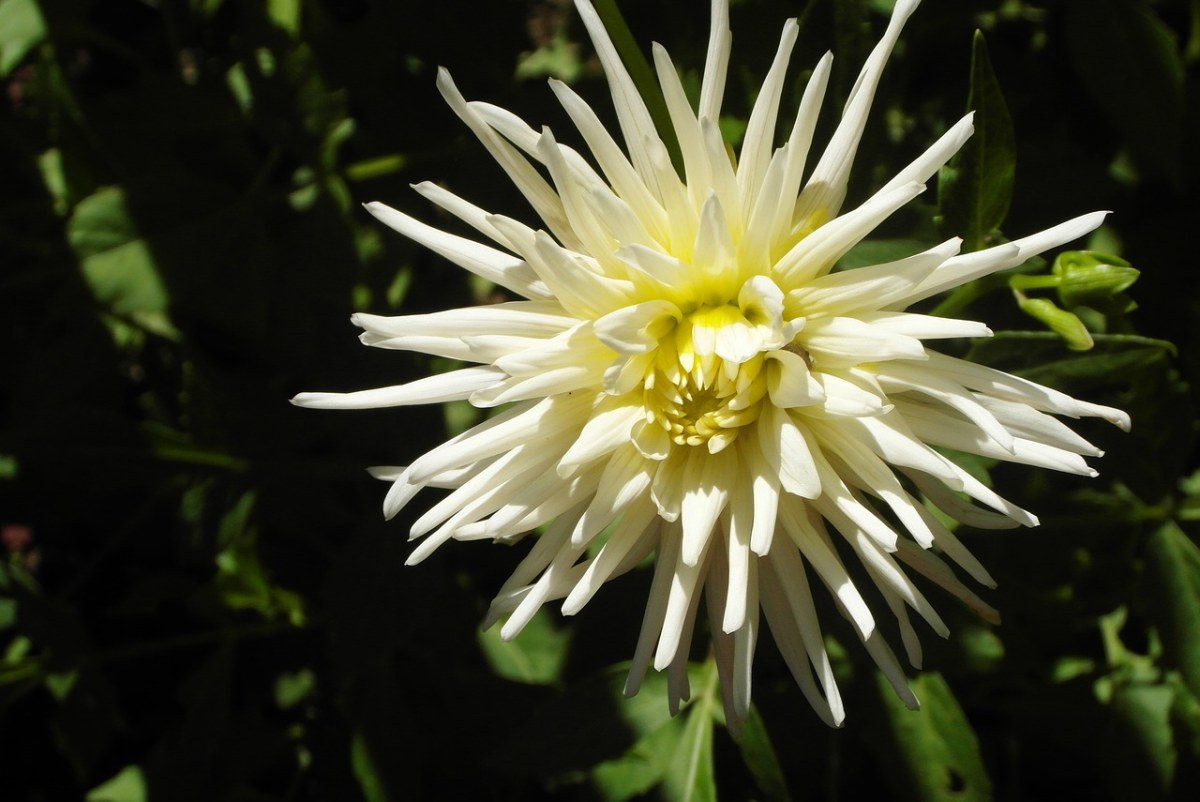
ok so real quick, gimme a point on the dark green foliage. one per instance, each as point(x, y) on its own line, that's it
point(198, 599)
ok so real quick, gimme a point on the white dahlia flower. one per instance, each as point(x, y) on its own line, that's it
point(685, 376)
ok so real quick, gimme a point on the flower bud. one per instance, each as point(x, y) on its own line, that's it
point(1089, 276)
point(1061, 322)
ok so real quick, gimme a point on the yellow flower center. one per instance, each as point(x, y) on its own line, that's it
point(701, 367)
point(695, 395)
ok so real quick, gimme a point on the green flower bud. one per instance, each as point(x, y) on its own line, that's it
point(1060, 321)
point(1089, 276)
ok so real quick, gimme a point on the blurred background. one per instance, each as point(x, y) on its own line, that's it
point(199, 599)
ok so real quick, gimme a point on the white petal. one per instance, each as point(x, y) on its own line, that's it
point(758, 141)
point(543, 500)
point(867, 471)
point(883, 656)
point(464, 210)
point(571, 184)
point(1013, 388)
point(848, 513)
point(848, 341)
point(616, 167)
point(787, 451)
point(551, 382)
point(790, 382)
point(638, 527)
point(940, 428)
point(637, 329)
point(901, 376)
point(1024, 420)
point(707, 480)
point(738, 524)
point(541, 422)
point(712, 87)
point(797, 148)
point(453, 386)
point(937, 155)
point(971, 266)
point(826, 186)
point(682, 597)
point(687, 127)
point(475, 495)
point(496, 266)
point(738, 342)
point(887, 574)
point(845, 396)
point(651, 440)
point(761, 302)
point(713, 253)
point(519, 170)
point(925, 327)
point(656, 606)
point(864, 289)
point(607, 428)
point(825, 562)
point(815, 254)
point(626, 478)
point(787, 603)
point(632, 115)
point(1009, 516)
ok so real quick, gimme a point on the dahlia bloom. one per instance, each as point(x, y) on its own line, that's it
point(685, 375)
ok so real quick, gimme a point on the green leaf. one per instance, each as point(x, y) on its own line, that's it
point(558, 58)
point(242, 582)
point(1139, 754)
point(285, 14)
point(129, 785)
point(641, 768)
point(975, 189)
point(1173, 563)
point(378, 167)
point(932, 753)
point(366, 772)
point(292, 688)
point(1113, 358)
point(760, 758)
point(880, 251)
point(21, 29)
point(117, 262)
point(536, 656)
point(1132, 69)
point(690, 777)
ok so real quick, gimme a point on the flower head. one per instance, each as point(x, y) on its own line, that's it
point(686, 376)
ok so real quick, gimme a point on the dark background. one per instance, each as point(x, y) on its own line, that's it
point(198, 597)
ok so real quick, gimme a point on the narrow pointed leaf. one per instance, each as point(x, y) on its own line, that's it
point(975, 189)
point(1174, 565)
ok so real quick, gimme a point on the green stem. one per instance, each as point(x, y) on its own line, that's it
point(1024, 282)
point(1101, 339)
